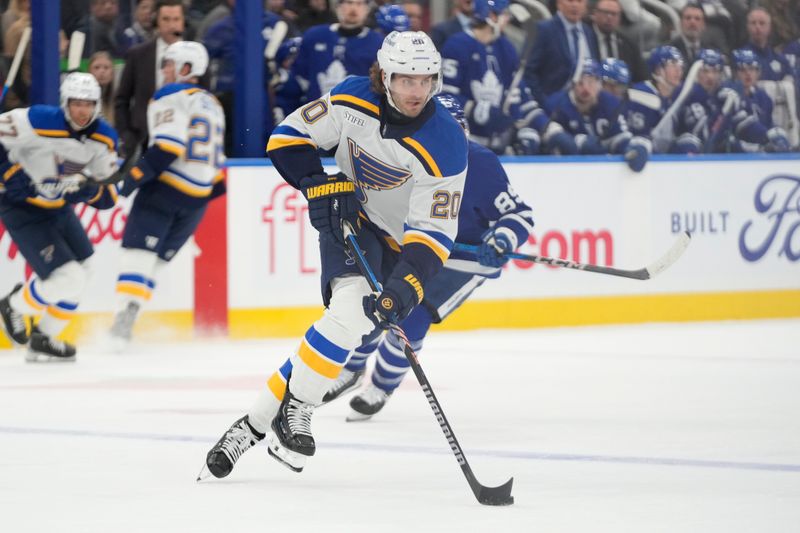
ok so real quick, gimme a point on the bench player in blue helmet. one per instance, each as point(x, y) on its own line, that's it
point(493, 217)
point(616, 77)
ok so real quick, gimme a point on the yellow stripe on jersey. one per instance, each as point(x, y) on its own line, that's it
point(11, 171)
point(192, 90)
point(171, 148)
point(137, 173)
point(277, 142)
point(46, 204)
point(134, 289)
point(425, 155)
point(52, 133)
point(96, 196)
point(415, 236)
point(184, 186)
point(61, 314)
point(317, 362)
point(356, 101)
point(277, 385)
point(108, 141)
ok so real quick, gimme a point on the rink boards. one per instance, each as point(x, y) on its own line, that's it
point(254, 268)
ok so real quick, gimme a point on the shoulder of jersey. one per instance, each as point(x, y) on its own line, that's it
point(354, 92)
point(607, 99)
point(48, 121)
point(105, 134)
point(317, 33)
point(174, 88)
point(458, 41)
point(440, 144)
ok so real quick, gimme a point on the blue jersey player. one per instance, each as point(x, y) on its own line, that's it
point(175, 179)
point(478, 67)
point(492, 216)
point(51, 158)
point(403, 161)
point(593, 116)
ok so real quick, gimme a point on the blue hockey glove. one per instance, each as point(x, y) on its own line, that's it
point(778, 141)
point(589, 145)
point(557, 141)
point(528, 142)
point(637, 153)
point(687, 143)
point(401, 292)
point(496, 243)
point(331, 199)
point(18, 187)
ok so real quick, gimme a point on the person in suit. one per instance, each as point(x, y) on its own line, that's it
point(460, 21)
point(693, 37)
point(142, 76)
point(557, 49)
point(606, 19)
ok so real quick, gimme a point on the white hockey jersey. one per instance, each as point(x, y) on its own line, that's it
point(410, 186)
point(39, 140)
point(188, 121)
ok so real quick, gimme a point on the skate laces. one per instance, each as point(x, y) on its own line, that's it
point(238, 440)
point(299, 416)
point(17, 321)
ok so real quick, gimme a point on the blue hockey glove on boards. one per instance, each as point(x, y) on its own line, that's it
point(401, 292)
point(331, 199)
point(494, 247)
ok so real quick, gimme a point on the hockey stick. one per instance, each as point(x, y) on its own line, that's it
point(124, 169)
point(279, 32)
point(721, 123)
point(486, 495)
point(12, 71)
point(648, 272)
point(76, 43)
point(523, 17)
point(664, 131)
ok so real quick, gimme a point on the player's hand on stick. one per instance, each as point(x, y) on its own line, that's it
point(496, 243)
point(331, 199)
point(400, 294)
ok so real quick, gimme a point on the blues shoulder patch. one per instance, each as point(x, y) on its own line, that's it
point(354, 92)
point(440, 145)
point(48, 121)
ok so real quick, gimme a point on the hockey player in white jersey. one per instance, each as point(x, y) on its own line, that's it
point(177, 176)
point(50, 159)
point(403, 162)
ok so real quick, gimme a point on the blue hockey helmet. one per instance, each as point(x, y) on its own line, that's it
point(288, 47)
point(744, 57)
point(711, 58)
point(392, 18)
point(616, 71)
point(455, 109)
point(590, 67)
point(662, 55)
point(482, 8)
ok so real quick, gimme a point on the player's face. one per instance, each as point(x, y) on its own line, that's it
point(352, 13)
point(411, 92)
point(709, 78)
point(170, 23)
point(586, 90)
point(748, 76)
point(573, 10)
point(168, 70)
point(673, 72)
point(617, 89)
point(81, 111)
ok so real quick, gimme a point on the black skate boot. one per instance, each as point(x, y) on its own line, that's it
point(292, 442)
point(239, 438)
point(13, 322)
point(122, 330)
point(347, 381)
point(367, 403)
point(44, 348)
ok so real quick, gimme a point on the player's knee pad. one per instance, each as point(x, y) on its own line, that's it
point(344, 322)
point(66, 283)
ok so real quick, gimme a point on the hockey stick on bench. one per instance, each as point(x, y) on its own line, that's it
point(486, 495)
point(647, 272)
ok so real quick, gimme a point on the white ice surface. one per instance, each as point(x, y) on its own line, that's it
point(656, 428)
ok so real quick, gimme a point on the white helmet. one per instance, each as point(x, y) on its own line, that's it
point(187, 53)
point(80, 86)
point(411, 53)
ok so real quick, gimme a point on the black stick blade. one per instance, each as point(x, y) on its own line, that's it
point(496, 495)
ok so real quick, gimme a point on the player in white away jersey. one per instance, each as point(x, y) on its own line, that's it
point(403, 161)
point(176, 178)
point(50, 159)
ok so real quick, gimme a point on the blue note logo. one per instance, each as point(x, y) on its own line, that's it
point(371, 173)
point(777, 200)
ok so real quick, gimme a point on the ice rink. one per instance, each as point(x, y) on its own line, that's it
point(656, 428)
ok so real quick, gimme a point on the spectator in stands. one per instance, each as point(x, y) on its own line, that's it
point(415, 13)
point(639, 25)
point(330, 53)
point(784, 14)
point(141, 30)
point(460, 21)
point(142, 74)
point(101, 66)
point(560, 43)
point(219, 12)
point(16, 9)
point(693, 37)
point(100, 28)
point(314, 13)
point(606, 18)
point(18, 95)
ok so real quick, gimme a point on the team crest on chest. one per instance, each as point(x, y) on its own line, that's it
point(372, 173)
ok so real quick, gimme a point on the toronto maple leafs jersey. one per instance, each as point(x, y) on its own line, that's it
point(409, 179)
point(489, 201)
point(604, 122)
point(188, 121)
point(327, 55)
point(38, 143)
point(479, 77)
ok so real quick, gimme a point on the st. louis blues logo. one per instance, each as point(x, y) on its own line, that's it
point(53, 188)
point(372, 173)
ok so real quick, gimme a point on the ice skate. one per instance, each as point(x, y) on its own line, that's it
point(122, 329)
point(292, 442)
point(13, 322)
point(239, 438)
point(367, 403)
point(347, 381)
point(43, 348)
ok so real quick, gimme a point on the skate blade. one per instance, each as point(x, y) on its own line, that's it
point(291, 460)
point(204, 474)
point(355, 416)
point(31, 357)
